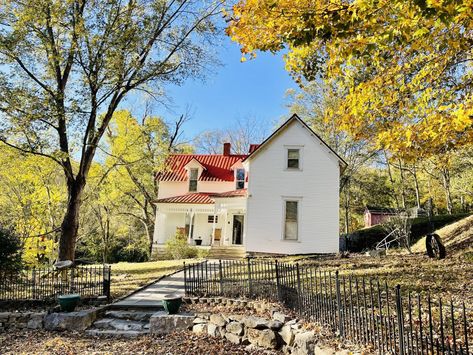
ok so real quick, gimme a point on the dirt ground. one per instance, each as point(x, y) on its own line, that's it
point(67, 343)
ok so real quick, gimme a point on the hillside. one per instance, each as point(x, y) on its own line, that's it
point(457, 238)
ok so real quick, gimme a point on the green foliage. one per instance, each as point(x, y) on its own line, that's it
point(367, 238)
point(10, 251)
point(178, 248)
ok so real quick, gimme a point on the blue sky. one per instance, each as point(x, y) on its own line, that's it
point(254, 88)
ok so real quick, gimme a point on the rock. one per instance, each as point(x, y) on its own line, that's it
point(80, 320)
point(200, 328)
point(162, 323)
point(213, 330)
point(233, 338)
point(255, 322)
point(275, 325)
point(199, 320)
point(234, 328)
point(36, 321)
point(323, 351)
point(304, 343)
point(264, 338)
point(4, 316)
point(218, 320)
point(287, 335)
point(281, 317)
point(236, 317)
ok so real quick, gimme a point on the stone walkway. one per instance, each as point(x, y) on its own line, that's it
point(152, 296)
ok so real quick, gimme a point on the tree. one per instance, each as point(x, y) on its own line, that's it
point(243, 132)
point(66, 66)
point(136, 152)
point(402, 67)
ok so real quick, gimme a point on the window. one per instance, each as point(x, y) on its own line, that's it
point(210, 219)
point(293, 157)
point(291, 220)
point(240, 179)
point(193, 174)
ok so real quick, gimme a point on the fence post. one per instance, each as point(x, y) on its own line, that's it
point(278, 282)
point(221, 276)
point(185, 278)
point(400, 319)
point(249, 276)
point(339, 305)
point(106, 280)
point(298, 274)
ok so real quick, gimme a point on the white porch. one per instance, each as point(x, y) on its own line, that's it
point(219, 224)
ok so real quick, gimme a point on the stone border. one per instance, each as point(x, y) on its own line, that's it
point(78, 321)
point(280, 332)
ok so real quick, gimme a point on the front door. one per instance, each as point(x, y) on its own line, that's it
point(237, 230)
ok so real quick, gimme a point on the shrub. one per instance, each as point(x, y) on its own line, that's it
point(134, 252)
point(10, 251)
point(178, 248)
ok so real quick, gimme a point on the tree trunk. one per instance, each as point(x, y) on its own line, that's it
point(446, 186)
point(70, 223)
point(416, 186)
point(347, 208)
point(391, 179)
point(403, 190)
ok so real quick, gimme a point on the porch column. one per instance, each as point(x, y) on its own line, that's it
point(191, 227)
point(213, 226)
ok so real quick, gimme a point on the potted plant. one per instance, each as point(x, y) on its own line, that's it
point(198, 241)
point(68, 303)
point(171, 303)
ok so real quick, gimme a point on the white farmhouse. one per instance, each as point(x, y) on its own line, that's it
point(281, 198)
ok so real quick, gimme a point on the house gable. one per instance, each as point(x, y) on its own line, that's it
point(292, 120)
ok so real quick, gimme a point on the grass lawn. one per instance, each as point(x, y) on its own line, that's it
point(450, 278)
point(127, 277)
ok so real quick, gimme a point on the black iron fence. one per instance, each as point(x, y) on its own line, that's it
point(44, 284)
point(363, 310)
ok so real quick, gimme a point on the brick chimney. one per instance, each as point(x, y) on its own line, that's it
point(253, 147)
point(226, 148)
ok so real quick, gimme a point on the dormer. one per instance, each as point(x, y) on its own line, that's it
point(194, 170)
point(239, 174)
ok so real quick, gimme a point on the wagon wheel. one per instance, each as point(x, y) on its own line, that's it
point(434, 246)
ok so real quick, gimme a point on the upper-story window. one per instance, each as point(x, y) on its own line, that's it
point(240, 179)
point(293, 158)
point(193, 175)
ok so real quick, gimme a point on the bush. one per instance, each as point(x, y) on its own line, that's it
point(134, 252)
point(10, 251)
point(178, 248)
point(367, 238)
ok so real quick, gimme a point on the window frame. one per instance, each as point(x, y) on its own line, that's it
point(285, 200)
point(211, 217)
point(239, 181)
point(288, 148)
point(191, 181)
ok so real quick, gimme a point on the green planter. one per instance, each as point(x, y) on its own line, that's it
point(172, 303)
point(68, 302)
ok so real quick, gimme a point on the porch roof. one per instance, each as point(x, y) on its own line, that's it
point(202, 198)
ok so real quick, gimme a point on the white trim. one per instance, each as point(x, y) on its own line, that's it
point(301, 159)
point(285, 199)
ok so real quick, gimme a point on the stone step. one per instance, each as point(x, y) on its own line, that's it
point(136, 315)
point(116, 333)
point(119, 324)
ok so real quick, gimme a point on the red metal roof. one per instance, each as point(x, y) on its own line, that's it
point(192, 197)
point(234, 193)
point(202, 197)
point(217, 167)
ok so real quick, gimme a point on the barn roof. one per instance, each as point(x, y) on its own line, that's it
point(381, 210)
